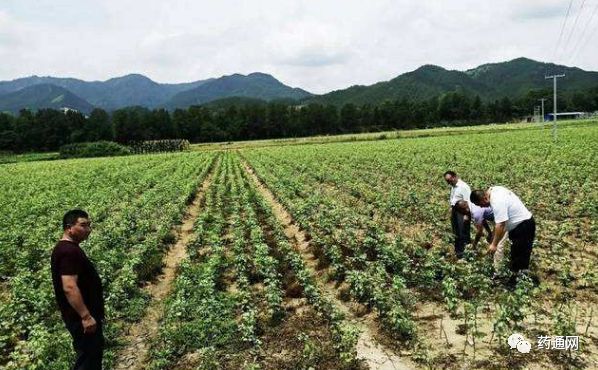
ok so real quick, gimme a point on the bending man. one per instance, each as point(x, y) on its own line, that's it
point(480, 217)
point(510, 215)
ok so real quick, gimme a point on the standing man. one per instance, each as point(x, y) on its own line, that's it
point(78, 291)
point(510, 215)
point(460, 223)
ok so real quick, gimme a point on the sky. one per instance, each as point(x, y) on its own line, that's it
point(316, 45)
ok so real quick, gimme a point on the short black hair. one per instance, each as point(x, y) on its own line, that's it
point(476, 196)
point(461, 204)
point(452, 173)
point(70, 218)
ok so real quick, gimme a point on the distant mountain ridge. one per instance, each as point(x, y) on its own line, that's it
point(43, 96)
point(139, 90)
point(425, 82)
point(129, 90)
point(254, 85)
point(521, 75)
point(490, 81)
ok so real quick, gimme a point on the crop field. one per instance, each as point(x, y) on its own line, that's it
point(134, 200)
point(307, 256)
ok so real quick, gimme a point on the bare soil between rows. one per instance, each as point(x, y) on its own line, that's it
point(375, 354)
point(137, 339)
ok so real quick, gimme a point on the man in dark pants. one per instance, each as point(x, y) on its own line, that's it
point(510, 215)
point(459, 222)
point(78, 291)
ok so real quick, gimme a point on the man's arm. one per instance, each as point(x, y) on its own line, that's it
point(499, 232)
point(75, 299)
point(486, 226)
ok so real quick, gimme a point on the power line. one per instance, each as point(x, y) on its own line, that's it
point(580, 40)
point(558, 43)
point(574, 26)
point(589, 38)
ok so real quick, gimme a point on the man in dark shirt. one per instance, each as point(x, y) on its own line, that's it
point(78, 291)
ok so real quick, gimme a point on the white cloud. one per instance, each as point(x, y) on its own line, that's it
point(317, 45)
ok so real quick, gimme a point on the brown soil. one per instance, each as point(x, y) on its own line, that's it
point(375, 354)
point(302, 340)
point(4, 291)
point(449, 348)
point(134, 355)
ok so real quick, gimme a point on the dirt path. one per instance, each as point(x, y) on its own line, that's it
point(376, 355)
point(137, 339)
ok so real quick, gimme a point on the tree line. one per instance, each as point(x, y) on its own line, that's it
point(48, 129)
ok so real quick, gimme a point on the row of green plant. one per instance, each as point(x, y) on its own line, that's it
point(345, 335)
point(377, 282)
point(215, 292)
point(385, 204)
point(200, 315)
point(133, 203)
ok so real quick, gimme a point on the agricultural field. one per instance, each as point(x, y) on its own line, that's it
point(377, 215)
point(134, 202)
point(312, 255)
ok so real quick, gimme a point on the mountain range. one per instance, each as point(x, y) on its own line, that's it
point(137, 90)
point(514, 79)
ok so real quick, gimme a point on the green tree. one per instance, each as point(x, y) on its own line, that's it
point(127, 125)
point(54, 129)
point(98, 126)
point(349, 118)
point(7, 132)
point(27, 135)
point(477, 109)
point(505, 110)
point(75, 122)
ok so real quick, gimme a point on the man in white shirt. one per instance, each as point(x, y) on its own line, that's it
point(510, 215)
point(460, 223)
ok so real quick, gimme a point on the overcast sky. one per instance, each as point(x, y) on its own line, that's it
point(317, 45)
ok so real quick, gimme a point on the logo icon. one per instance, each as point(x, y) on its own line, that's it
point(517, 340)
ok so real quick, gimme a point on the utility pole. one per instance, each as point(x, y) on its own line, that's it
point(536, 113)
point(554, 77)
point(542, 100)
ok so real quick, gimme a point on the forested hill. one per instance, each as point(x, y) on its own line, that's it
point(138, 90)
point(255, 85)
point(513, 79)
point(43, 96)
point(429, 90)
point(119, 92)
point(517, 77)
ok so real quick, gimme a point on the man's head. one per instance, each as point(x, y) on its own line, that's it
point(462, 207)
point(451, 178)
point(76, 225)
point(480, 198)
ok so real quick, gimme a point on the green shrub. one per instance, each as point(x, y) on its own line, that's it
point(94, 149)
